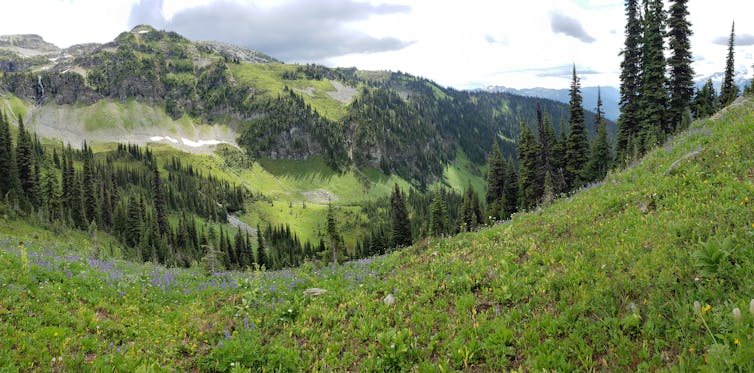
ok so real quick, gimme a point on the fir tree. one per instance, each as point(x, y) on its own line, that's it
point(471, 215)
point(401, 224)
point(654, 97)
point(438, 218)
point(630, 82)
point(332, 233)
point(8, 176)
point(729, 90)
point(261, 251)
point(600, 158)
point(547, 142)
point(24, 161)
point(705, 101)
point(51, 193)
point(577, 145)
point(159, 201)
point(511, 192)
point(495, 182)
point(681, 72)
point(90, 200)
point(530, 185)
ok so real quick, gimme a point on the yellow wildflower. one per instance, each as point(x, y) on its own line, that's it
point(706, 308)
point(736, 342)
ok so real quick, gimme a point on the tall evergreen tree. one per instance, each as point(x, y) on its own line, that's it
point(630, 83)
point(438, 214)
point(8, 176)
point(577, 145)
point(705, 101)
point(547, 142)
point(401, 224)
point(654, 97)
point(681, 72)
point(729, 90)
point(159, 201)
point(511, 193)
point(600, 158)
point(261, 250)
point(24, 161)
point(332, 233)
point(88, 188)
point(495, 182)
point(471, 213)
point(530, 183)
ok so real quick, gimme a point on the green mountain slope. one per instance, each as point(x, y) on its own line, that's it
point(607, 279)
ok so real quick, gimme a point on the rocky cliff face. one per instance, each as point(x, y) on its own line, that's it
point(27, 45)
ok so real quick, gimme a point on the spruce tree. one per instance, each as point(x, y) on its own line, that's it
point(332, 233)
point(705, 101)
point(438, 214)
point(470, 210)
point(630, 82)
point(6, 158)
point(530, 184)
point(401, 224)
point(511, 192)
point(262, 259)
point(88, 189)
point(681, 72)
point(159, 201)
point(729, 90)
point(654, 96)
point(547, 142)
point(495, 182)
point(24, 161)
point(577, 145)
point(600, 158)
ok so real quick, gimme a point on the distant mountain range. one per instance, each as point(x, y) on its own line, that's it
point(610, 97)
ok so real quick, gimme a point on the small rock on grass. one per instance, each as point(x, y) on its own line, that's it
point(314, 291)
point(389, 299)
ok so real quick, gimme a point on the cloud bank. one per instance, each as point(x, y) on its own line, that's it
point(295, 31)
point(563, 24)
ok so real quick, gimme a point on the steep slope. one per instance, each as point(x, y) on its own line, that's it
point(393, 121)
point(650, 269)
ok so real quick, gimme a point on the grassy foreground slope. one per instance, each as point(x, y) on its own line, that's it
point(606, 279)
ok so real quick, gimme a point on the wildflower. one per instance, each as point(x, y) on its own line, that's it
point(706, 308)
point(736, 342)
point(697, 307)
point(737, 314)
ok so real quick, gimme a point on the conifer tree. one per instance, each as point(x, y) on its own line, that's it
point(600, 158)
point(577, 145)
point(401, 224)
point(630, 82)
point(729, 90)
point(438, 218)
point(705, 101)
point(90, 199)
point(511, 192)
point(24, 161)
point(51, 193)
point(495, 182)
point(654, 96)
point(546, 141)
point(159, 201)
point(471, 215)
point(332, 233)
point(261, 251)
point(8, 175)
point(530, 184)
point(681, 72)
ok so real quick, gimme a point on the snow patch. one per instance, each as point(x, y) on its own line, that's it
point(196, 144)
point(165, 138)
point(143, 31)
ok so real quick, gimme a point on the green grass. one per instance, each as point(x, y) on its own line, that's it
point(462, 172)
point(268, 78)
point(605, 279)
point(11, 105)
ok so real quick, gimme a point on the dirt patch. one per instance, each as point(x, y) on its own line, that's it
point(307, 91)
point(342, 93)
point(319, 196)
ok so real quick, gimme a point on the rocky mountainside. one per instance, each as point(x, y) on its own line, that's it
point(393, 121)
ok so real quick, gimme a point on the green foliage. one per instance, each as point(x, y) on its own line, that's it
point(653, 102)
point(630, 83)
point(705, 101)
point(606, 279)
point(681, 79)
point(729, 89)
point(577, 145)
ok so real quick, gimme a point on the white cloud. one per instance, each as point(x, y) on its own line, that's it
point(452, 38)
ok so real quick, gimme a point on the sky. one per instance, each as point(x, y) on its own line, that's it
point(464, 44)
